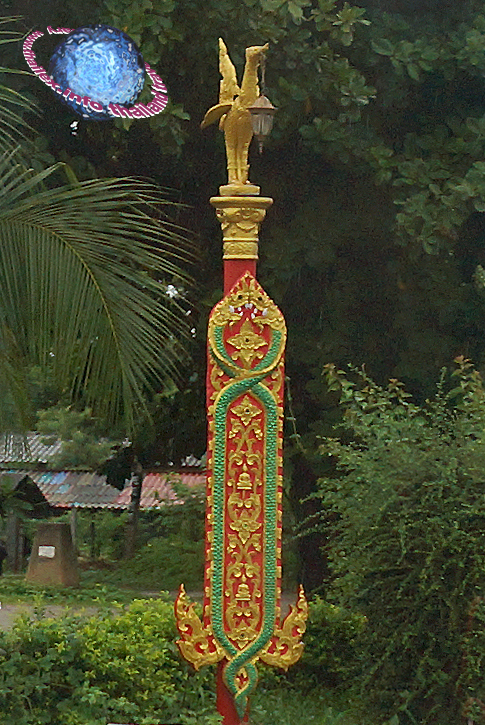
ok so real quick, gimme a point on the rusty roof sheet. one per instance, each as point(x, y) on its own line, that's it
point(74, 489)
point(28, 448)
point(81, 489)
point(158, 488)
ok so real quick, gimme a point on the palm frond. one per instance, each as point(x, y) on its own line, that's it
point(13, 126)
point(14, 407)
point(83, 273)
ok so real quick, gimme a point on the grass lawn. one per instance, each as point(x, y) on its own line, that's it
point(92, 591)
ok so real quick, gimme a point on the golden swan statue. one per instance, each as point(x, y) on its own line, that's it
point(234, 117)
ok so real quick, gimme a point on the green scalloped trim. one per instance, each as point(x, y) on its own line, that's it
point(243, 658)
point(267, 360)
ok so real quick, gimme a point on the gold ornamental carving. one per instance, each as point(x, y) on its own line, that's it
point(286, 647)
point(240, 250)
point(240, 218)
point(247, 344)
point(197, 644)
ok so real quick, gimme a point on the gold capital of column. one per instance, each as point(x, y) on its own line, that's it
point(240, 217)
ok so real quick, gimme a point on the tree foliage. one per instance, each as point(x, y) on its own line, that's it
point(377, 141)
point(94, 250)
point(374, 246)
point(84, 444)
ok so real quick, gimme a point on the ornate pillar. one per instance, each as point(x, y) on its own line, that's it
point(245, 386)
point(245, 394)
point(240, 217)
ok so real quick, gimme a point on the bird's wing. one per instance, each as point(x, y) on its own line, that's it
point(215, 113)
point(229, 87)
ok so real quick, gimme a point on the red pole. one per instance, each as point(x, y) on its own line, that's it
point(225, 701)
point(245, 385)
point(234, 270)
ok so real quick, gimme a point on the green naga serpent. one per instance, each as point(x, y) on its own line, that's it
point(248, 308)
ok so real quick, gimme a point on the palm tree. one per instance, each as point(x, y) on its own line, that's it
point(83, 273)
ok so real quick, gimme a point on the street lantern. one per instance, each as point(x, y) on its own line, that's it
point(262, 114)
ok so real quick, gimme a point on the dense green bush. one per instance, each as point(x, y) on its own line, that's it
point(122, 665)
point(289, 707)
point(331, 653)
point(473, 680)
point(113, 667)
point(408, 548)
point(331, 656)
point(164, 564)
point(315, 691)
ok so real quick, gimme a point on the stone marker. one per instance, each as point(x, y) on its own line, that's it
point(53, 560)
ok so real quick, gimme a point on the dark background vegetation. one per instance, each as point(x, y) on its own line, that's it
point(374, 246)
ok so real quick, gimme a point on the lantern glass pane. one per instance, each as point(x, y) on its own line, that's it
point(262, 123)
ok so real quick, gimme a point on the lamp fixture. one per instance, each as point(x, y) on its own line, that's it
point(262, 112)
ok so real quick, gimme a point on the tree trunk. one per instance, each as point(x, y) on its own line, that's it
point(73, 525)
point(134, 510)
point(14, 559)
point(314, 572)
point(92, 536)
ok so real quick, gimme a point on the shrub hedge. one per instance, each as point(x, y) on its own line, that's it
point(123, 665)
point(408, 543)
point(117, 666)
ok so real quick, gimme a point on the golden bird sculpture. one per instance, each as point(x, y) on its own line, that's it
point(234, 117)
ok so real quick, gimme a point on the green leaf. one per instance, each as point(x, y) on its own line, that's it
point(413, 71)
point(479, 204)
point(383, 46)
point(296, 11)
point(82, 270)
point(271, 5)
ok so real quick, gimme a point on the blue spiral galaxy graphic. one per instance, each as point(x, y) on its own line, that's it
point(100, 62)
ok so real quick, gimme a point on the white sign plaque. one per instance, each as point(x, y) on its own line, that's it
point(47, 552)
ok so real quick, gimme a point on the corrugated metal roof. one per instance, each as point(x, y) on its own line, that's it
point(157, 489)
point(72, 489)
point(28, 448)
point(80, 489)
